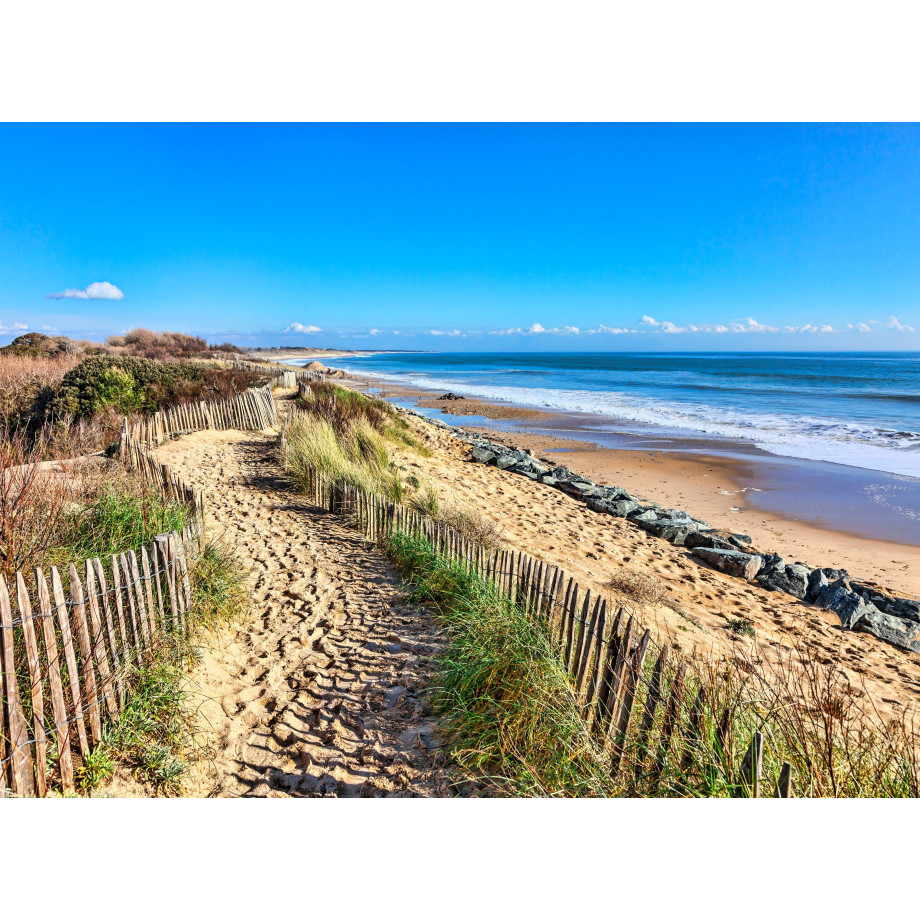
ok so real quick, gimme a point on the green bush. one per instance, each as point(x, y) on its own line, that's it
point(127, 384)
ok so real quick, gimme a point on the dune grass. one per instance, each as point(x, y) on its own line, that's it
point(507, 710)
point(158, 735)
point(514, 722)
point(343, 435)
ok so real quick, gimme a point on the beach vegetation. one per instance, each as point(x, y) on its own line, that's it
point(158, 734)
point(89, 508)
point(638, 587)
point(515, 723)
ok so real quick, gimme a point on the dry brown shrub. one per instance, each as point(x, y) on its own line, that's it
point(32, 502)
point(22, 380)
point(637, 587)
point(473, 525)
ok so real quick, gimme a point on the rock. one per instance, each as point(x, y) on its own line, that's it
point(902, 607)
point(622, 507)
point(675, 532)
point(819, 579)
point(846, 603)
point(578, 488)
point(483, 455)
point(895, 630)
point(716, 539)
point(731, 561)
point(507, 460)
point(644, 514)
point(528, 468)
point(451, 396)
point(790, 579)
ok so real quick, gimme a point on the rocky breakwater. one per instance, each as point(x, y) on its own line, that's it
point(858, 605)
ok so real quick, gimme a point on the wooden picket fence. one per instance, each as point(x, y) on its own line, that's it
point(615, 666)
point(69, 649)
point(76, 645)
point(253, 410)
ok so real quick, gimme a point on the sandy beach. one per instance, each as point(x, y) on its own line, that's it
point(721, 490)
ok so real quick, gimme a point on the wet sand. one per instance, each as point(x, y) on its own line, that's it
point(693, 476)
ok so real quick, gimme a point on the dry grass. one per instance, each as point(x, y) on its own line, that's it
point(473, 525)
point(56, 513)
point(637, 587)
point(24, 379)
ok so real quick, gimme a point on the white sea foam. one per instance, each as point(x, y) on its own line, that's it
point(851, 444)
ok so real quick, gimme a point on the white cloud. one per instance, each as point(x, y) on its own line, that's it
point(98, 290)
point(607, 330)
point(665, 325)
point(859, 327)
point(374, 332)
point(16, 327)
point(537, 329)
point(451, 332)
point(301, 328)
point(895, 323)
point(49, 329)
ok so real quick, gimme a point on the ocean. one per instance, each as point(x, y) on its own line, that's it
point(857, 409)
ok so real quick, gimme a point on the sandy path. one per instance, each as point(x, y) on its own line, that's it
point(318, 692)
point(560, 530)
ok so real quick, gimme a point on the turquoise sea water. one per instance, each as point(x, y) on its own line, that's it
point(857, 409)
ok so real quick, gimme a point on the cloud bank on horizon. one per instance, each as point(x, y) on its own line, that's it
point(648, 325)
point(98, 290)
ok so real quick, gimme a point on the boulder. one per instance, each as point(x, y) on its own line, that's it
point(790, 579)
point(615, 493)
point(529, 468)
point(622, 507)
point(894, 630)
point(902, 607)
point(642, 514)
point(451, 396)
point(717, 539)
point(505, 461)
point(483, 455)
point(731, 561)
point(578, 488)
point(674, 531)
point(845, 602)
point(819, 579)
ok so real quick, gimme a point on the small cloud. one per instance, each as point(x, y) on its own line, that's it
point(536, 329)
point(16, 327)
point(301, 329)
point(607, 330)
point(664, 325)
point(49, 329)
point(374, 332)
point(896, 324)
point(98, 290)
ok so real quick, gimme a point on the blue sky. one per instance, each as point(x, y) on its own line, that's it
point(466, 237)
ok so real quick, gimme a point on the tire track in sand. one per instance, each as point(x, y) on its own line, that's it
point(319, 692)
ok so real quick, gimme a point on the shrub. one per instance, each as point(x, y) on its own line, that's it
point(99, 382)
point(27, 384)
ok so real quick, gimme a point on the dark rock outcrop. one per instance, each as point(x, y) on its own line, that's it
point(790, 579)
point(731, 561)
point(895, 630)
point(845, 602)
